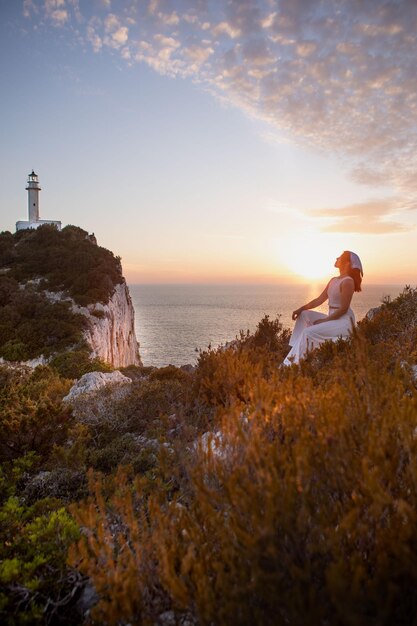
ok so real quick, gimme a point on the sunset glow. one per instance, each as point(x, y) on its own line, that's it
point(249, 140)
point(309, 261)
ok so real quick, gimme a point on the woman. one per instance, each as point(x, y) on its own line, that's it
point(313, 328)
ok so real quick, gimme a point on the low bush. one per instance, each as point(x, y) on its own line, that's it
point(34, 578)
point(31, 325)
point(300, 509)
point(32, 416)
point(69, 260)
point(75, 363)
point(241, 493)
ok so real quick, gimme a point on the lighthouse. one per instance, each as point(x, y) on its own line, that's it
point(33, 190)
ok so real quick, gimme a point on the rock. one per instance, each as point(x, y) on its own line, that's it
point(213, 442)
point(93, 381)
point(31, 364)
point(188, 620)
point(111, 329)
point(372, 313)
point(88, 598)
point(414, 370)
point(167, 618)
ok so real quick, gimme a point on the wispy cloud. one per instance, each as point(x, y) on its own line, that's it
point(371, 217)
point(337, 76)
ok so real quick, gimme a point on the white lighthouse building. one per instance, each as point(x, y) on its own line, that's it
point(33, 190)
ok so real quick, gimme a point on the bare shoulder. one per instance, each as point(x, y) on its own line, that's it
point(347, 283)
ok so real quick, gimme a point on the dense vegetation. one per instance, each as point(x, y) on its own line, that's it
point(34, 262)
point(67, 260)
point(239, 493)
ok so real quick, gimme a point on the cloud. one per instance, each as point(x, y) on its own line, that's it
point(224, 28)
point(29, 7)
point(117, 35)
point(171, 19)
point(111, 23)
point(120, 36)
point(94, 39)
point(55, 10)
point(371, 217)
point(336, 76)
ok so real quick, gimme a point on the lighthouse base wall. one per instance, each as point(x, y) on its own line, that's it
point(22, 225)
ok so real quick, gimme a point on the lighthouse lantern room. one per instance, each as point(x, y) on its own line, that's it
point(33, 190)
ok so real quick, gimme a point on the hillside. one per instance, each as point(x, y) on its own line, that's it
point(238, 493)
point(56, 288)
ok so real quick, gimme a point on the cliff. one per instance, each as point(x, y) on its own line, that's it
point(64, 297)
point(110, 330)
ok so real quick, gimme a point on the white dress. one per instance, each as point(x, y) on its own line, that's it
point(306, 337)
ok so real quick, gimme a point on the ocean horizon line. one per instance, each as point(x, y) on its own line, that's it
point(262, 284)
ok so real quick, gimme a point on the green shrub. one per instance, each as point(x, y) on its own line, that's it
point(35, 583)
point(75, 363)
point(150, 400)
point(7, 243)
point(32, 417)
point(134, 372)
point(68, 260)
point(123, 450)
point(14, 350)
point(31, 325)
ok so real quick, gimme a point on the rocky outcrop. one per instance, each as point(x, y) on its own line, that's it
point(372, 313)
point(93, 381)
point(111, 329)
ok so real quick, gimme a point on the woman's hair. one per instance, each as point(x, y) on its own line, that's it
point(354, 273)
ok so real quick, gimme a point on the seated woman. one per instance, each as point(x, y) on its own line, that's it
point(313, 328)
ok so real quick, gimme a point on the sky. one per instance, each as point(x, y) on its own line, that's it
point(207, 141)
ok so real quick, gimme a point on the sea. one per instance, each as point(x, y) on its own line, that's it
point(174, 322)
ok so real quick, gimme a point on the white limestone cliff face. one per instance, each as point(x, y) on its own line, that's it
point(111, 329)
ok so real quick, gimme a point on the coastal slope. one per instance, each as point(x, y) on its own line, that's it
point(61, 293)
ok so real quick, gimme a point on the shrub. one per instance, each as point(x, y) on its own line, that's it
point(302, 510)
point(221, 377)
point(150, 400)
point(30, 325)
point(393, 330)
point(75, 363)
point(32, 418)
point(69, 260)
point(35, 583)
point(123, 450)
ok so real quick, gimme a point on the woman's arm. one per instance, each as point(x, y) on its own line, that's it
point(313, 304)
point(347, 289)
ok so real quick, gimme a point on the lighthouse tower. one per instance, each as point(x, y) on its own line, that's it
point(33, 190)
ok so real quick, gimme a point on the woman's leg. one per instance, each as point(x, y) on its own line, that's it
point(304, 320)
point(313, 336)
point(297, 341)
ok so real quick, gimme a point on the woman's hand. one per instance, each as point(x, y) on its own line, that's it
point(297, 313)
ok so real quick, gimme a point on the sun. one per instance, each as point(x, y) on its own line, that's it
point(308, 258)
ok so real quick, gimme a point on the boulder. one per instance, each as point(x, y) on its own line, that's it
point(372, 313)
point(93, 381)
